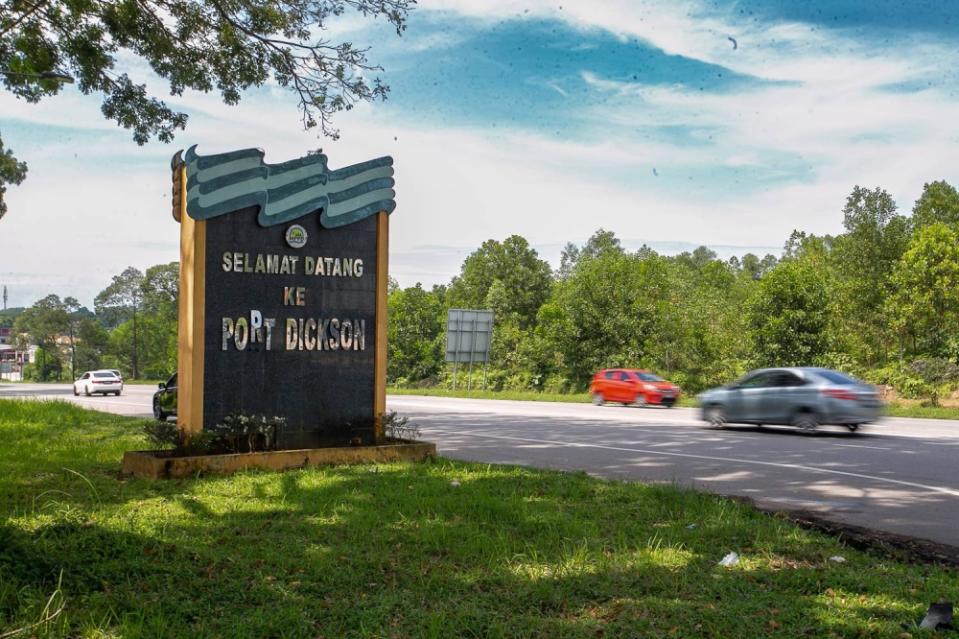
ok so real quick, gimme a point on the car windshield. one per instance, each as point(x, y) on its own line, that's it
point(648, 377)
point(836, 378)
point(104, 375)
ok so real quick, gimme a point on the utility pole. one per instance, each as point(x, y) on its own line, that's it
point(4, 297)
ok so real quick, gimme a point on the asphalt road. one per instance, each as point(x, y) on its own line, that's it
point(900, 475)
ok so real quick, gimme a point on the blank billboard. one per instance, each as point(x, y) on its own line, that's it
point(468, 335)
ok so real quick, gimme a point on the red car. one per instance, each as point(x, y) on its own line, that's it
point(629, 386)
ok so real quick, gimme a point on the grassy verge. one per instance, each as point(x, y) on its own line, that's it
point(398, 551)
point(532, 396)
point(916, 410)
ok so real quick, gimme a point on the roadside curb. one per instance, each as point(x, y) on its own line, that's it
point(897, 546)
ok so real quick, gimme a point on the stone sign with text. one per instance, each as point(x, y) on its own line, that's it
point(283, 294)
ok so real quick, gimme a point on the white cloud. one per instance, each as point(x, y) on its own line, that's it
point(829, 126)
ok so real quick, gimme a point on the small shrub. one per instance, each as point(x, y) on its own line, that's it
point(902, 378)
point(201, 443)
point(935, 373)
point(556, 384)
point(248, 433)
point(396, 427)
point(162, 435)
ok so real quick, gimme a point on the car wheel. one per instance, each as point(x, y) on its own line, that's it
point(158, 411)
point(805, 421)
point(75, 391)
point(716, 416)
point(598, 399)
point(86, 391)
point(117, 393)
point(852, 427)
point(639, 401)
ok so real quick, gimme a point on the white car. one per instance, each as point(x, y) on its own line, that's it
point(102, 382)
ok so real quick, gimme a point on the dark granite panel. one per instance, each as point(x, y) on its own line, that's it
point(326, 396)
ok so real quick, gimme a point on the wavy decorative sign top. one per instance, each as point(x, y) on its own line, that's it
point(227, 182)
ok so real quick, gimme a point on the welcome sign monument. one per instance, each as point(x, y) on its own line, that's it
point(283, 280)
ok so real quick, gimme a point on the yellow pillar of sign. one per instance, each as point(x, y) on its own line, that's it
point(382, 284)
point(190, 319)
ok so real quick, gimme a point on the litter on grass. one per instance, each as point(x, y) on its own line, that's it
point(729, 560)
point(939, 616)
point(839, 559)
point(455, 484)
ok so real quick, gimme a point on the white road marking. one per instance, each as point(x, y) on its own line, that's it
point(145, 407)
point(861, 446)
point(814, 469)
point(94, 402)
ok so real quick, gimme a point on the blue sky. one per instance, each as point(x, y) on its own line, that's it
point(670, 123)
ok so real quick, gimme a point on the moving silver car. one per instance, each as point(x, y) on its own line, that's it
point(801, 397)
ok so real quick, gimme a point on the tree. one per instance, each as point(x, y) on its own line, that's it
point(415, 334)
point(606, 313)
point(939, 202)
point(43, 323)
point(754, 268)
point(925, 302)
point(203, 45)
point(92, 342)
point(124, 296)
point(12, 171)
point(9, 316)
point(599, 243)
point(161, 290)
point(513, 263)
point(804, 245)
point(787, 316)
point(699, 258)
point(862, 260)
point(73, 316)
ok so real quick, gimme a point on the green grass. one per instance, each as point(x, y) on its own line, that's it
point(915, 410)
point(532, 396)
point(397, 551)
point(535, 396)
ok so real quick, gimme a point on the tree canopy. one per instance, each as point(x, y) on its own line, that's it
point(879, 301)
point(228, 46)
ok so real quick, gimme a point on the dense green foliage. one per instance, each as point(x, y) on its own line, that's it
point(134, 328)
point(872, 301)
point(228, 46)
point(403, 552)
point(9, 315)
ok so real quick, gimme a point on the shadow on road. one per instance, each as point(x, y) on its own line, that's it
point(902, 485)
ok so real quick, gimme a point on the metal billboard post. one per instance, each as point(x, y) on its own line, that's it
point(469, 376)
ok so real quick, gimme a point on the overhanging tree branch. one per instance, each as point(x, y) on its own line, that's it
point(201, 45)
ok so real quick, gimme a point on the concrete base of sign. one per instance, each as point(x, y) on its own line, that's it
point(161, 464)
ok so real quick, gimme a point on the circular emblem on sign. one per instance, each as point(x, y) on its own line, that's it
point(296, 236)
